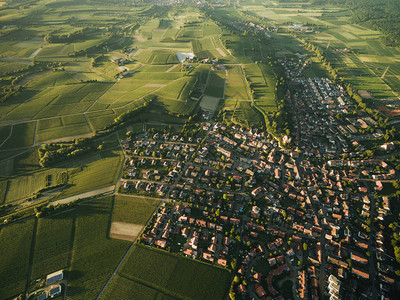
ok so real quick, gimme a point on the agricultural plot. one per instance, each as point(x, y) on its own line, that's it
point(52, 244)
point(124, 288)
point(94, 256)
point(215, 84)
point(3, 190)
point(132, 209)
point(60, 100)
point(15, 245)
point(59, 127)
point(173, 275)
point(27, 185)
point(235, 84)
point(157, 57)
point(99, 171)
point(129, 216)
point(179, 89)
point(262, 82)
point(22, 136)
point(100, 120)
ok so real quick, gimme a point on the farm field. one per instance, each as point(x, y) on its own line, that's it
point(15, 242)
point(132, 209)
point(94, 255)
point(78, 80)
point(96, 172)
point(75, 240)
point(54, 239)
point(157, 272)
point(356, 51)
point(89, 172)
point(129, 216)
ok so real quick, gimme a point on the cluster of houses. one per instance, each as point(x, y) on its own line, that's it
point(251, 27)
point(237, 199)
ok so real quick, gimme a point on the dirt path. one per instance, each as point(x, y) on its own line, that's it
point(36, 52)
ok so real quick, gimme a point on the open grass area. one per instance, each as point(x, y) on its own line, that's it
point(94, 255)
point(15, 245)
point(132, 209)
point(53, 244)
point(172, 275)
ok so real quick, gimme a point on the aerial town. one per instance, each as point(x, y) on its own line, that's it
point(308, 213)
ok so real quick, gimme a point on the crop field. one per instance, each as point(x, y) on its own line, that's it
point(27, 185)
point(53, 244)
point(22, 136)
point(99, 171)
point(15, 242)
point(94, 256)
point(262, 82)
point(124, 288)
point(356, 51)
point(134, 210)
point(235, 84)
point(100, 120)
point(59, 127)
point(176, 276)
point(216, 84)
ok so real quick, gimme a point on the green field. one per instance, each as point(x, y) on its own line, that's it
point(53, 244)
point(132, 209)
point(98, 171)
point(94, 256)
point(59, 127)
point(27, 185)
point(216, 84)
point(153, 272)
point(15, 242)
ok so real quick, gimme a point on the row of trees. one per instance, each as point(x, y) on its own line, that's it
point(66, 37)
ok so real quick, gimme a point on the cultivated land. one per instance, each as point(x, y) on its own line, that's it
point(154, 272)
point(76, 241)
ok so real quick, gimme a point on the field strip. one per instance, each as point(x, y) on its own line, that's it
point(222, 53)
point(36, 52)
point(6, 139)
point(35, 134)
point(97, 192)
point(69, 138)
point(125, 231)
point(87, 121)
point(170, 69)
point(32, 253)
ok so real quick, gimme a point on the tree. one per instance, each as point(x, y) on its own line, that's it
point(305, 246)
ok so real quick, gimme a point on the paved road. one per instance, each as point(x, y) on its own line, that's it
point(105, 190)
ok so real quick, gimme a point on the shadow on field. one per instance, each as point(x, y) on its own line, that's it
point(88, 209)
point(73, 274)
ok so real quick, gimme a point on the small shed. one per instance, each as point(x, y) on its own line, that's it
point(54, 277)
point(55, 291)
